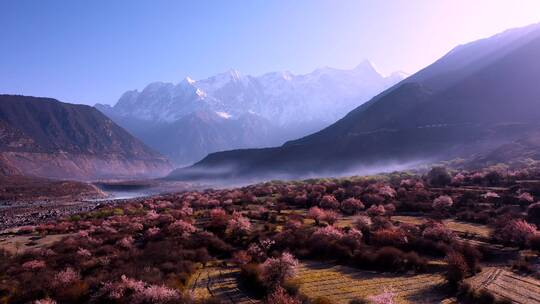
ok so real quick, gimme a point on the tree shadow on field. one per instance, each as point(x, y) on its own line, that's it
point(318, 265)
point(429, 294)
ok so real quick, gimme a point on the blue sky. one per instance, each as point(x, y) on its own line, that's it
point(93, 51)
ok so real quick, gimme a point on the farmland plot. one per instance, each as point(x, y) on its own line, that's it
point(219, 282)
point(479, 230)
point(341, 284)
point(506, 284)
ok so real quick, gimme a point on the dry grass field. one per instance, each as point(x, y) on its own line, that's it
point(506, 284)
point(343, 220)
point(341, 284)
point(459, 227)
point(481, 231)
point(21, 243)
point(219, 282)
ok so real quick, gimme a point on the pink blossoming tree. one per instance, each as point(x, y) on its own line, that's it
point(280, 296)
point(386, 297)
point(376, 210)
point(274, 271)
point(238, 226)
point(351, 206)
point(442, 202)
point(329, 202)
point(517, 232)
point(316, 213)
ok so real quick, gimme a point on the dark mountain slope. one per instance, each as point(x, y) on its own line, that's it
point(475, 98)
point(451, 78)
point(192, 137)
point(45, 137)
point(521, 150)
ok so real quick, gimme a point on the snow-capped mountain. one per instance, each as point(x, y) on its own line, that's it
point(281, 100)
point(323, 95)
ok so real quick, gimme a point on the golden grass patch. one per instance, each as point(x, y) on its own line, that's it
point(341, 284)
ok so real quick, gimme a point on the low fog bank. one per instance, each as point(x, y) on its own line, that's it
point(224, 176)
point(137, 188)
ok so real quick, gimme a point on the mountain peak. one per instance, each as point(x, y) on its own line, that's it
point(222, 79)
point(128, 99)
point(158, 85)
point(287, 75)
point(234, 74)
point(130, 93)
point(367, 66)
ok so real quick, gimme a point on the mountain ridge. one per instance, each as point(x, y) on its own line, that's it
point(283, 105)
point(448, 109)
point(210, 91)
point(48, 138)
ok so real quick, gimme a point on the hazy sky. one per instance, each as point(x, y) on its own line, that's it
point(93, 51)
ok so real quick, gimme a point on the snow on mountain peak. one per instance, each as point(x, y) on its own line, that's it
point(367, 69)
point(223, 114)
point(200, 93)
point(287, 75)
point(234, 74)
point(189, 80)
point(366, 65)
point(324, 95)
point(399, 74)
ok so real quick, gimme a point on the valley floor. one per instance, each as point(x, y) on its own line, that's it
point(336, 240)
point(30, 201)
